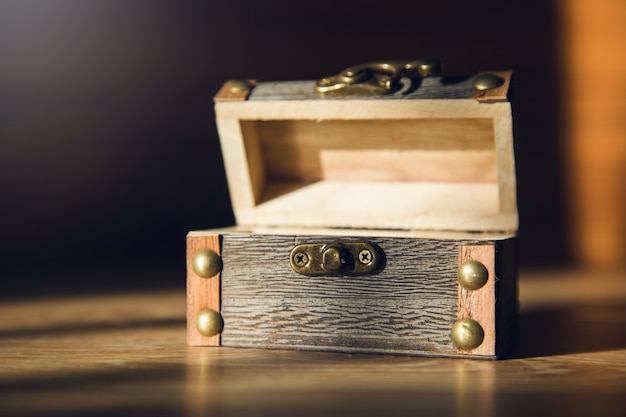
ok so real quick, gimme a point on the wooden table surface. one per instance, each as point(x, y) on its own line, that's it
point(125, 354)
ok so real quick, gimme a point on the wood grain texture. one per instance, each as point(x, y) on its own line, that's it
point(408, 307)
point(480, 304)
point(202, 292)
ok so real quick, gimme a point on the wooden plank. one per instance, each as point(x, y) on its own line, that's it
point(409, 307)
point(480, 304)
point(360, 109)
point(240, 185)
point(505, 164)
point(381, 205)
point(202, 292)
point(378, 134)
point(258, 167)
point(339, 232)
point(450, 149)
point(407, 165)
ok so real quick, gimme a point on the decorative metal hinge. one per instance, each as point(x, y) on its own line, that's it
point(376, 78)
point(345, 258)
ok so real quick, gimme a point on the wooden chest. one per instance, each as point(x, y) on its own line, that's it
point(381, 224)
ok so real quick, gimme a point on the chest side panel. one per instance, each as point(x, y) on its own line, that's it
point(409, 306)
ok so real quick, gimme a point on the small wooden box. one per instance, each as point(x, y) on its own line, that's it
point(424, 176)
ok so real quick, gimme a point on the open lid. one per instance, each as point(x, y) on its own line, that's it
point(436, 156)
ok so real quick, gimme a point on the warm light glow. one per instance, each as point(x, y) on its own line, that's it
point(595, 41)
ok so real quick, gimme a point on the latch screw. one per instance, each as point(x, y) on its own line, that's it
point(300, 259)
point(365, 257)
point(335, 258)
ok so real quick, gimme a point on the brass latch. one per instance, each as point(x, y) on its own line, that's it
point(345, 258)
point(376, 78)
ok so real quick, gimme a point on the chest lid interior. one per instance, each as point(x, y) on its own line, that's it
point(435, 157)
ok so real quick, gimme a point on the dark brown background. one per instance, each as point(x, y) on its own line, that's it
point(108, 147)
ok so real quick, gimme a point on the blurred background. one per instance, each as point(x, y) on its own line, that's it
point(109, 152)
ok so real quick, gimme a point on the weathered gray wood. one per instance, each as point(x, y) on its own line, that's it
point(429, 88)
point(408, 307)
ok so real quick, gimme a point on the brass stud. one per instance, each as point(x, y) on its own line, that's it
point(472, 275)
point(239, 86)
point(487, 81)
point(428, 66)
point(323, 82)
point(209, 322)
point(206, 263)
point(467, 334)
point(354, 75)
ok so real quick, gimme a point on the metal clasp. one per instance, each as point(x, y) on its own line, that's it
point(345, 258)
point(376, 78)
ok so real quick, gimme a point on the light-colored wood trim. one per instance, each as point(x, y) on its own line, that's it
point(202, 293)
point(505, 164)
point(256, 162)
point(480, 305)
point(415, 234)
point(359, 109)
point(495, 94)
point(381, 205)
point(236, 163)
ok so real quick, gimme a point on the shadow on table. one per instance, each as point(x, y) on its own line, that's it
point(572, 329)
